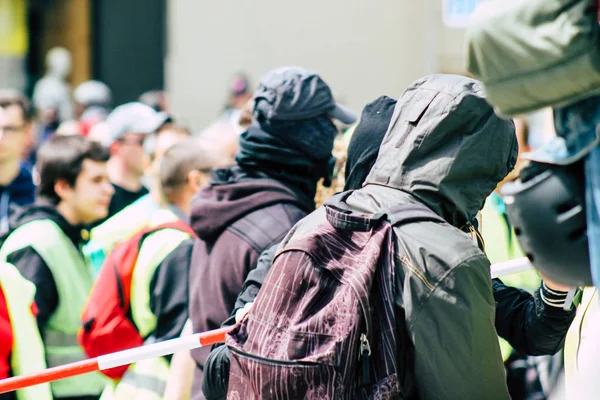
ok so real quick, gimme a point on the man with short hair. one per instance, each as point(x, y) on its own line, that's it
point(159, 289)
point(251, 205)
point(130, 125)
point(45, 244)
point(16, 183)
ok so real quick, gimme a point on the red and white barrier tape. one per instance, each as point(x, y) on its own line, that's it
point(195, 341)
point(117, 359)
point(510, 267)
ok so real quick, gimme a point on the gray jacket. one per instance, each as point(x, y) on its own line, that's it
point(445, 148)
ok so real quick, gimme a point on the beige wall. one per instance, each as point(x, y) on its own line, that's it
point(363, 49)
point(68, 25)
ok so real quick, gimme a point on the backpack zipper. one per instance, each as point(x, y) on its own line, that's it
point(364, 354)
point(275, 362)
point(365, 357)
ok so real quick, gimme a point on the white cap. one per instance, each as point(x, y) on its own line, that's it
point(134, 118)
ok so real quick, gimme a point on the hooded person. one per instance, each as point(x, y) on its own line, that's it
point(251, 205)
point(445, 149)
point(530, 324)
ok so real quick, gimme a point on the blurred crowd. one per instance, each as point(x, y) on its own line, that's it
point(119, 208)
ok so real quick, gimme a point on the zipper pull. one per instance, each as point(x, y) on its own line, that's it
point(476, 237)
point(365, 356)
point(365, 346)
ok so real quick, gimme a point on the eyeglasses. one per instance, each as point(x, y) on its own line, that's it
point(11, 129)
point(133, 142)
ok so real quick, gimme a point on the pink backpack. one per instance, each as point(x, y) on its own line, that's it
point(324, 325)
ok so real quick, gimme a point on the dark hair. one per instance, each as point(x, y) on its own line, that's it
point(12, 97)
point(181, 159)
point(61, 158)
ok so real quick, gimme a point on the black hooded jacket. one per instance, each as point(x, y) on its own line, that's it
point(239, 215)
point(524, 320)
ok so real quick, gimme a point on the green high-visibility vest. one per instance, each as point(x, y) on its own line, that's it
point(73, 279)
point(117, 229)
point(27, 353)
point(147, 379)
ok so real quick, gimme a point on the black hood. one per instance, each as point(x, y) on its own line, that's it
point(445, 147)
point(77, 233)
point(366, 140)
point(235, 192)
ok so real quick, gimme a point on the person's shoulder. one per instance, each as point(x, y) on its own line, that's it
point(267, 226)
point(43, 228)
point(436, 249)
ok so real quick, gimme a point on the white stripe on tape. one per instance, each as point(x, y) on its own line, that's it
point(510, 267)
point(149, 351)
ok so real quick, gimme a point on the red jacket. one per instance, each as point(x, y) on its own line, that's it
point(6, 338)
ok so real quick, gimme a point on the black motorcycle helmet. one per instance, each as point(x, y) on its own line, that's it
point(546, 207)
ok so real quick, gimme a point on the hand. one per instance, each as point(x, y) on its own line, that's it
point(241, 313)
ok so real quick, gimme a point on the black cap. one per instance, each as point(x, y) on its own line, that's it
point(293, 93)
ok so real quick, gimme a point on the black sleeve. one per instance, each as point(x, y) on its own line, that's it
point(33, 268)
point(527, 323)
point(254, 280)
point(216, 368)
point(169, 292)
point(8, 396)
point(216, 374)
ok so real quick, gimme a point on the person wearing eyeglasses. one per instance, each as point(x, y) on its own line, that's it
point(129, 126)
point(16, 183)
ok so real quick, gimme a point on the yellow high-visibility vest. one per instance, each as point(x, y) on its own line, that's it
point(27, 353)
point(73, 279)
point(147, 379)
point(578, 333)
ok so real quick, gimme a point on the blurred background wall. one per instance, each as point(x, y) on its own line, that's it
point(362, 49)
point(191, 48)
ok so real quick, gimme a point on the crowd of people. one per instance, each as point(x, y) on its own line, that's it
point(120, 227)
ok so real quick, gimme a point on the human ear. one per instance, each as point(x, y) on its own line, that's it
point(195, 180)
point(63, 190)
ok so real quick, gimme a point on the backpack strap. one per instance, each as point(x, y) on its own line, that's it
point(178, 225)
